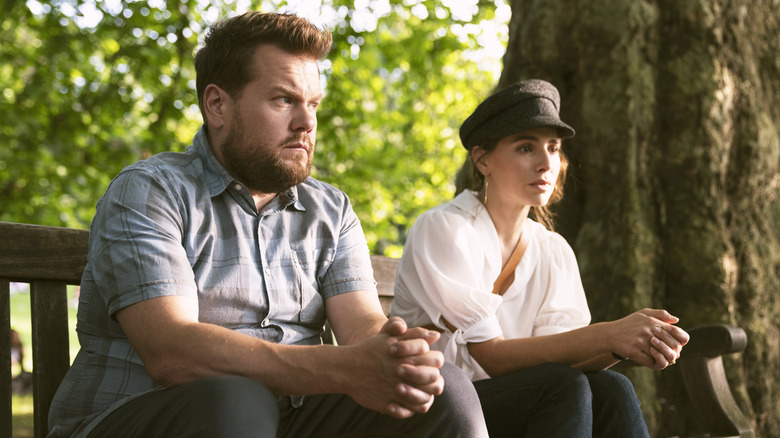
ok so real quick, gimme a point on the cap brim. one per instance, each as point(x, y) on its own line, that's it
point(564, 130)
point(499, 128)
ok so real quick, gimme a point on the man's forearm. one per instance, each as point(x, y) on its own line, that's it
point(367, 371)
point(176, 348)
point(355, 316)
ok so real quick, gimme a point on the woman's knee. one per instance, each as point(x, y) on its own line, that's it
point(616, 408)
point(565, 381)
point(553, 382)
point(612, 388)
point(550, 399)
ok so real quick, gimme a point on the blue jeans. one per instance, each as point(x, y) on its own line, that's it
point(556, 400)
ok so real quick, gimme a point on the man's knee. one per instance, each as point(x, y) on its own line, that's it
point(456, 385)
point(211, 407)
point(234, 406)
point(458, 407)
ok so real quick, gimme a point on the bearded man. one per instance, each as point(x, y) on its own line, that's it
point(211, 273)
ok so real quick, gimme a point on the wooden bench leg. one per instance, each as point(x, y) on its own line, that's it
point(708, 389)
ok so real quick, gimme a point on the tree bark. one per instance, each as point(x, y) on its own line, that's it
point(672, 199)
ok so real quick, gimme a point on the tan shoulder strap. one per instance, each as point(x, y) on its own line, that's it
point(507, 275)
point(505, 278)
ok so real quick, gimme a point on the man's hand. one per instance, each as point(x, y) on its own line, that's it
point(394, 370)
point(420, 369)
point(402, 377)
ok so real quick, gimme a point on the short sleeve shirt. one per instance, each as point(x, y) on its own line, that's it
point(179, 224)
point(452, 258)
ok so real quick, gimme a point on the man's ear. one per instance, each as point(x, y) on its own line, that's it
point(216, 104)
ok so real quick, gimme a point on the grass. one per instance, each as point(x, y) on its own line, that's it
point(23, 415)
point(22, 404)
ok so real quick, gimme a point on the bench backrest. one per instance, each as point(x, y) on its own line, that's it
point(384, 274)
point(49, 259)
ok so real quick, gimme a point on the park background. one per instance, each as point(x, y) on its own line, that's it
point(672, 196)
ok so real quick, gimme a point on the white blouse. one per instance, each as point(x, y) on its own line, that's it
point(450, 261)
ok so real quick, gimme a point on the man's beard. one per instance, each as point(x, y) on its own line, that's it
point(258, 164)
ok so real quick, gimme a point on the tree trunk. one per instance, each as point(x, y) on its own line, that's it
point(672, 196)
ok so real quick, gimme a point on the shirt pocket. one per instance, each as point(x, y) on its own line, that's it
point(306, 265)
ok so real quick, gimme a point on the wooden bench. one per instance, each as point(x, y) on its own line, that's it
point(50, 258)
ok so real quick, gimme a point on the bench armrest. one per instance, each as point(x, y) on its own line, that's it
point(714, 340)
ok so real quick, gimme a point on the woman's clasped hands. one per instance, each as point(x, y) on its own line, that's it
point(649, 337)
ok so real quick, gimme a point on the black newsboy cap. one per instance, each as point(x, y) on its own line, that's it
point(525, 105)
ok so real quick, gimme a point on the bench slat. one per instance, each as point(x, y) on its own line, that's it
point(51, 355)
point(384, 273)
point(6, 415)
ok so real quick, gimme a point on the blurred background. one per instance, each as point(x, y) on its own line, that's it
point(672, 197)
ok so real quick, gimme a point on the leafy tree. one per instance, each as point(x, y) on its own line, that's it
point(388, 131)
point(83, 101)
point(92, 88)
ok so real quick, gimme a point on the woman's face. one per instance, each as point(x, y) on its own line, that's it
point(523, 168)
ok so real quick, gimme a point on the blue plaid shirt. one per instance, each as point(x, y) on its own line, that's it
point(179, 224)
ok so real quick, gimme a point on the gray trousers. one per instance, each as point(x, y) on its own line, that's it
point(236, 407)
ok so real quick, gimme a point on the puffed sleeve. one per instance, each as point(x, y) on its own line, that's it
point(442, 274)
point(564, 306)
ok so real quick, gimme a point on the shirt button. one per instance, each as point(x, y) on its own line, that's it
point(238, 187)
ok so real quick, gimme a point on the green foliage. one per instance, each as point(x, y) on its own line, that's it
point(81, 102)
point(388, 127)
point(87, 96)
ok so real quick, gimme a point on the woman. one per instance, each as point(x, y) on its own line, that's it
point(506, 293)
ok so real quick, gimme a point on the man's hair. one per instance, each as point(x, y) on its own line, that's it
point(229, 47)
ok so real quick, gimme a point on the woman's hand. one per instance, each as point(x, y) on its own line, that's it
point(649, 338)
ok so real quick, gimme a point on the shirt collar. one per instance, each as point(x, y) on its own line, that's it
point(470, 205)
point(217, 178)
point(467, 201)
point(282, 201)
